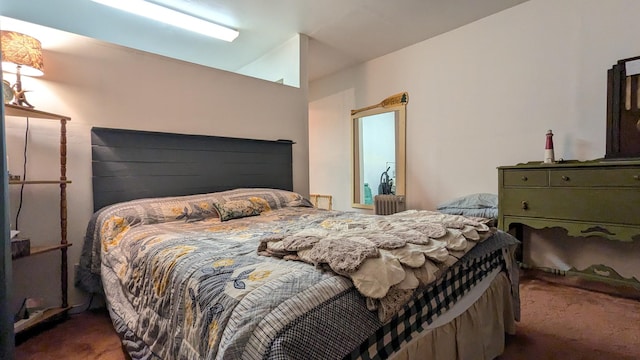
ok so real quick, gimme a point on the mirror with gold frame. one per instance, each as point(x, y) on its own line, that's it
point(378, 134)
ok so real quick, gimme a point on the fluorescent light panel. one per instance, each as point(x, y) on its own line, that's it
point(172, 17)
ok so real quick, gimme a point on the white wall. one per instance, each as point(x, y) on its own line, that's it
point(279, 64)
point(330, 146)
point(99, 84)
point(482, 96)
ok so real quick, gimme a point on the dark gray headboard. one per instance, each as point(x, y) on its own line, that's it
point(129, 164)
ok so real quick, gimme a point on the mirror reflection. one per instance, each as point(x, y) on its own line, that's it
point(378, 150)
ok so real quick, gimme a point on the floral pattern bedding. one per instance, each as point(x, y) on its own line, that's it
point(183, 278)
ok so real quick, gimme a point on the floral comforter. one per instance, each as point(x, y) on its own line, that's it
point(183, 279)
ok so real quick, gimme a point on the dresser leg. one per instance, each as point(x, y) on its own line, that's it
point(517, 231)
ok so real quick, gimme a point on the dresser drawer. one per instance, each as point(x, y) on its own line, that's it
point(525, 178)
point(620, 206)
point(628, 177)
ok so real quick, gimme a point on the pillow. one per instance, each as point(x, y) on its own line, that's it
point(472, 201)
point(269, 199)
point(195, 211)
point(159, 210)
point(235, 209)
point(482, 213)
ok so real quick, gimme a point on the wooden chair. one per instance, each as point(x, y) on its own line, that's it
point(321, 201)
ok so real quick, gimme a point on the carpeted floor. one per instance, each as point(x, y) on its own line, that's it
point(85, 336)
point(558, 322)
point(562, 322)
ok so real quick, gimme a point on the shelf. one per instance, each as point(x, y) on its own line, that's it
point(35, 250)
point(16, 110)
point(32, 182)
point(57, 313)
point(49, 314)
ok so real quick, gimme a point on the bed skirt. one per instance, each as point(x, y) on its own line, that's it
point(478, 333)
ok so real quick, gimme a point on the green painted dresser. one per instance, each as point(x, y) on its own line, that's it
point(591, 198)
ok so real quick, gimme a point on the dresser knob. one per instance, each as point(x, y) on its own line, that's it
point(524, 178)
point(525, 205)
point(565, 178)
point(636, 177)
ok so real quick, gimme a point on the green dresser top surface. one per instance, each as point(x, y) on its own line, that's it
point(600, 163)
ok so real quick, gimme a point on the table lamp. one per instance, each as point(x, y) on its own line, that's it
point(22, 55)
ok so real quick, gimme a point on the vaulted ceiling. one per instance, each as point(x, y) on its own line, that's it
point(341, 33)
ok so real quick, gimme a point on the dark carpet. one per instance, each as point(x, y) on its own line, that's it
point(558, 322)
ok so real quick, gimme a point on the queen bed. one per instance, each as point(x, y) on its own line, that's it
point(250, 270)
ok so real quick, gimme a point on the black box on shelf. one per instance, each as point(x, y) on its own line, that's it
point(20, 247)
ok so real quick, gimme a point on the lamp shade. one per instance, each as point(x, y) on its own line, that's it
point(23, 50)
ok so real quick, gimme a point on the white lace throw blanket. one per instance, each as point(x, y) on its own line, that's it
point(386, 257)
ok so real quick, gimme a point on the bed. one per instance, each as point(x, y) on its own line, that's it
point(256, 272)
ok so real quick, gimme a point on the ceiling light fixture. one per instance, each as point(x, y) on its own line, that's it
point(172, 17)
